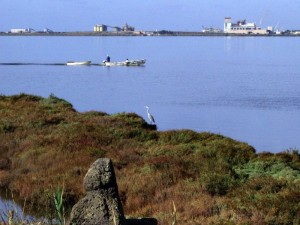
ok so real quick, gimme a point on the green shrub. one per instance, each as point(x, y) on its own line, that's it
point(275, 168)
point(53, 101)
point(217, 183)
point(178, 137)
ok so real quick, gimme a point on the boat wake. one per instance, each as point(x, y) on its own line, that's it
point(32, 64)
point(81, 63)
point(45, 64)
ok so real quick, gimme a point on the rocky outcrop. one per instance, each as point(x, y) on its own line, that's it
point(102, 205)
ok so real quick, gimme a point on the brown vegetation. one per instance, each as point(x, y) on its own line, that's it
point(45, 144)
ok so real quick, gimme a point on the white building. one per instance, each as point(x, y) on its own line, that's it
point(242, 27)
point(22, 30)
point(46, 30)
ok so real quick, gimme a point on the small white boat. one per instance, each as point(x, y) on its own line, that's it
point(125, 63)
point(83, 63)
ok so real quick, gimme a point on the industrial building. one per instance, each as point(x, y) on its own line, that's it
point(126, 27)
point(242, 27)
point(211, 30)
point(104, 28)
point(46, 30)
point(22, 30)
point(100, 28)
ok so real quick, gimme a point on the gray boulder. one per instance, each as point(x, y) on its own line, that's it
point(102, 204)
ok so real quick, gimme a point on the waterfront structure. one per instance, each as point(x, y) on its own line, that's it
point(100, 28)
point(211, 30)
point(22, 30)
point(295, 32)
point(46, 30)
point(126, 27)
point(242, 27)
point(104, 28)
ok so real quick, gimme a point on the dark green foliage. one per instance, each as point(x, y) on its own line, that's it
point(91, 114)
point(179, 137)
point(217, 183)
point(6, 126)
point(53, 100)
point(131, 119)
point(21, 97)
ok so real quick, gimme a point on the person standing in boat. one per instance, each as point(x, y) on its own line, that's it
point(107, 58)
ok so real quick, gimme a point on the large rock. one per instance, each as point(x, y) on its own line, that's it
point(102, 205)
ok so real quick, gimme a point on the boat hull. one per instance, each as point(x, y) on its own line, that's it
point(83, 63)
point(126, 63)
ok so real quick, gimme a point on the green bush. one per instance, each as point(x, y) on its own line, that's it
point(216, 183)
point(274, 168)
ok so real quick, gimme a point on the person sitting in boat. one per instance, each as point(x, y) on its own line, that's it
point(107, 58)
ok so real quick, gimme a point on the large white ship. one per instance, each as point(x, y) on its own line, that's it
point(242, 27)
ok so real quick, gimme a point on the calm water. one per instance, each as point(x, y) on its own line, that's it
point(246, 88)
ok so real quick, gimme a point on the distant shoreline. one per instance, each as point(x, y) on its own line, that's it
point(152, 33)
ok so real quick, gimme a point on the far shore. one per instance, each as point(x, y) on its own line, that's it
point(147, 33)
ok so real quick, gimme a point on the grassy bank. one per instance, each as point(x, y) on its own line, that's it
point(212, 179)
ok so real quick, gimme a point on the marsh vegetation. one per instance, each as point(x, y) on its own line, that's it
point(212, 179)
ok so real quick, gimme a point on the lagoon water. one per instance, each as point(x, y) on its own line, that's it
point(246, 88)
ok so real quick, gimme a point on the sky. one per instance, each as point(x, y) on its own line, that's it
point(147, 15)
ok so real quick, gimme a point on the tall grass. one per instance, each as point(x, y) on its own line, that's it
point(58, 201)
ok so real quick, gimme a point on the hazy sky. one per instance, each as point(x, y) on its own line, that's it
point(181, 15)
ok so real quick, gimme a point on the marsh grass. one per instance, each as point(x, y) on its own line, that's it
point(213, 179)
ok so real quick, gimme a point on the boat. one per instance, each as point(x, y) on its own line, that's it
point(83, 63)
point(126, 63)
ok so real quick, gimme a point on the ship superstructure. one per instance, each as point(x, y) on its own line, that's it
point(242, 27)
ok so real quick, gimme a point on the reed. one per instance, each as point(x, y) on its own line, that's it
point(174, 214)
point(58, 201)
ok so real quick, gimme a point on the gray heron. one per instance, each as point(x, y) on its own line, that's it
point(150, 117)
